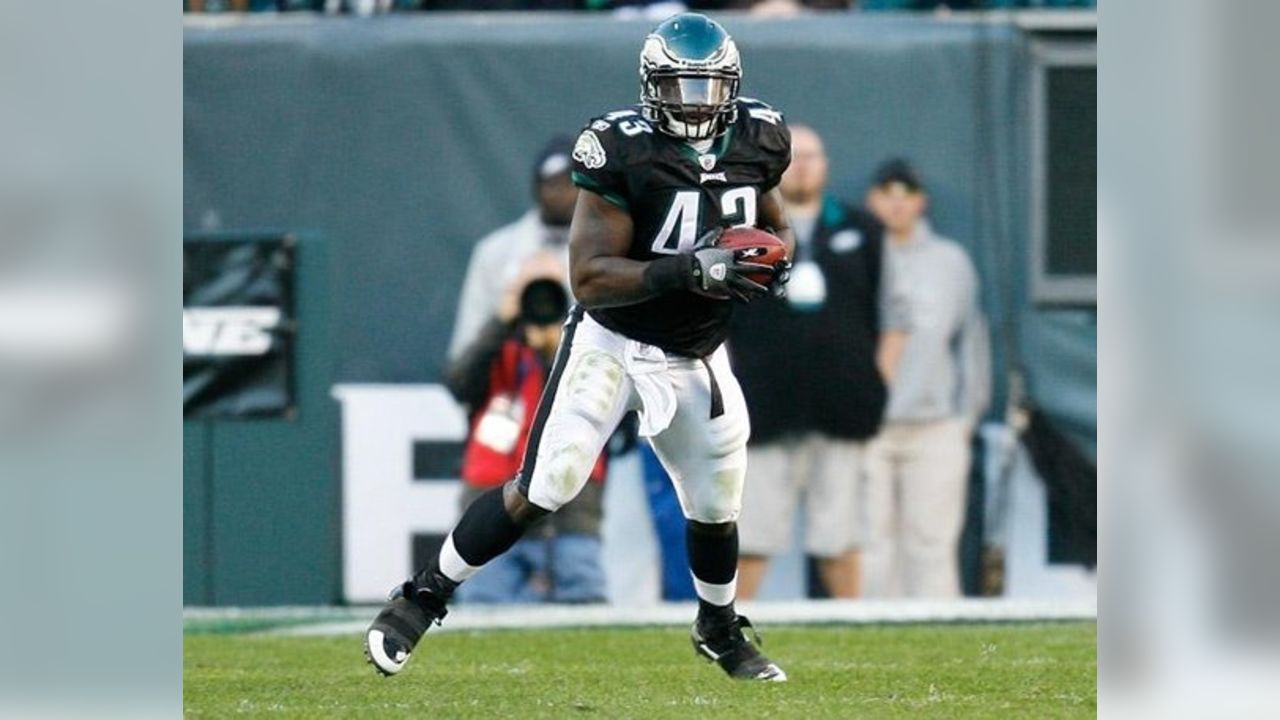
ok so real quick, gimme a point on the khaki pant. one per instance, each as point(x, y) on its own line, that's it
point(825, 471)
point(914, 500)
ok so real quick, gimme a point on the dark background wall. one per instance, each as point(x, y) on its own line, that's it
point(388, 146)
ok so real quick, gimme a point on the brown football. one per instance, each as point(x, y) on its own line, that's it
point(754, 246)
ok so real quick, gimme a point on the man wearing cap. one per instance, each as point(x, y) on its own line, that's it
point(491, 274)
point(918, 466)
point(500, 376)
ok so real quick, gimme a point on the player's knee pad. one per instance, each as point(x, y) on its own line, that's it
point(716, 497)
point(587, 407)
point(719, 500)
point(592, 384)
point(567, 454)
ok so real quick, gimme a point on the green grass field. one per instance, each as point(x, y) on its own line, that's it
point(940, 671)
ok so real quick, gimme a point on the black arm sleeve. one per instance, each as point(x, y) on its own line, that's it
point(468, 376)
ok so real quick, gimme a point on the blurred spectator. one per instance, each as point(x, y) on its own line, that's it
point(788, 8)
point(500, 376)
point(776, 8)
point(217, 6)
point(651, 10)
point(358, 7)
point(473, 5)
point(495, 346)
point(808, 368)
point(918, 466)
point(669, 527)
point(627, 9)
point(498, 256)
point(944, 5)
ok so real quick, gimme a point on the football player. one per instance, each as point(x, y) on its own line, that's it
point(654, 293)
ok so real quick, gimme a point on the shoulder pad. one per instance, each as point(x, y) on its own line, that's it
point(766, 125)
point(760, 111)
point(606, 148)
point(623, 124)
point(767, 131)
point(612, 137)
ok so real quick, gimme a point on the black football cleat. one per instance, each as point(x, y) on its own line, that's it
point(728, 644)
point(409, 612)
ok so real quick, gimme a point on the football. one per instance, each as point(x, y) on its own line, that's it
point(754, 246)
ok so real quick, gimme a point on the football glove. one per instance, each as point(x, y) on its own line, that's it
point(709, 271)
point(781, 275)
point(716, 273)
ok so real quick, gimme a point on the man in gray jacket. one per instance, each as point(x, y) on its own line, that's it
point(918, 466)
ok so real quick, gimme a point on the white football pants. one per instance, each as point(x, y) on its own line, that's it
point(698, 426)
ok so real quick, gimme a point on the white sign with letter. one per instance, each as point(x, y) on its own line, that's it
point(382, 506)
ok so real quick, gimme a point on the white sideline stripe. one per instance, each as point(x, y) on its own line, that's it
point(354, 620)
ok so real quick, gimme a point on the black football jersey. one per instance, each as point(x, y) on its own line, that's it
point(674, 194)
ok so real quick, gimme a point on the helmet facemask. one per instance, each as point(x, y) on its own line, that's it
point(691, 105)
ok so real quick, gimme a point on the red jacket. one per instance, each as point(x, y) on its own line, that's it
point(500, 425)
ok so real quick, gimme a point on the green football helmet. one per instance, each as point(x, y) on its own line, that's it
point(689, 77)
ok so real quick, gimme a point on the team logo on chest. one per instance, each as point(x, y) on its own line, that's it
point(707, 161)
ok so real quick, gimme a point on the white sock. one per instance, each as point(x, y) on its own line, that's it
point(717, 594)
point(451, 563)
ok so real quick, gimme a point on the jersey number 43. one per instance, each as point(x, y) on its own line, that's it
point(679, 229)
